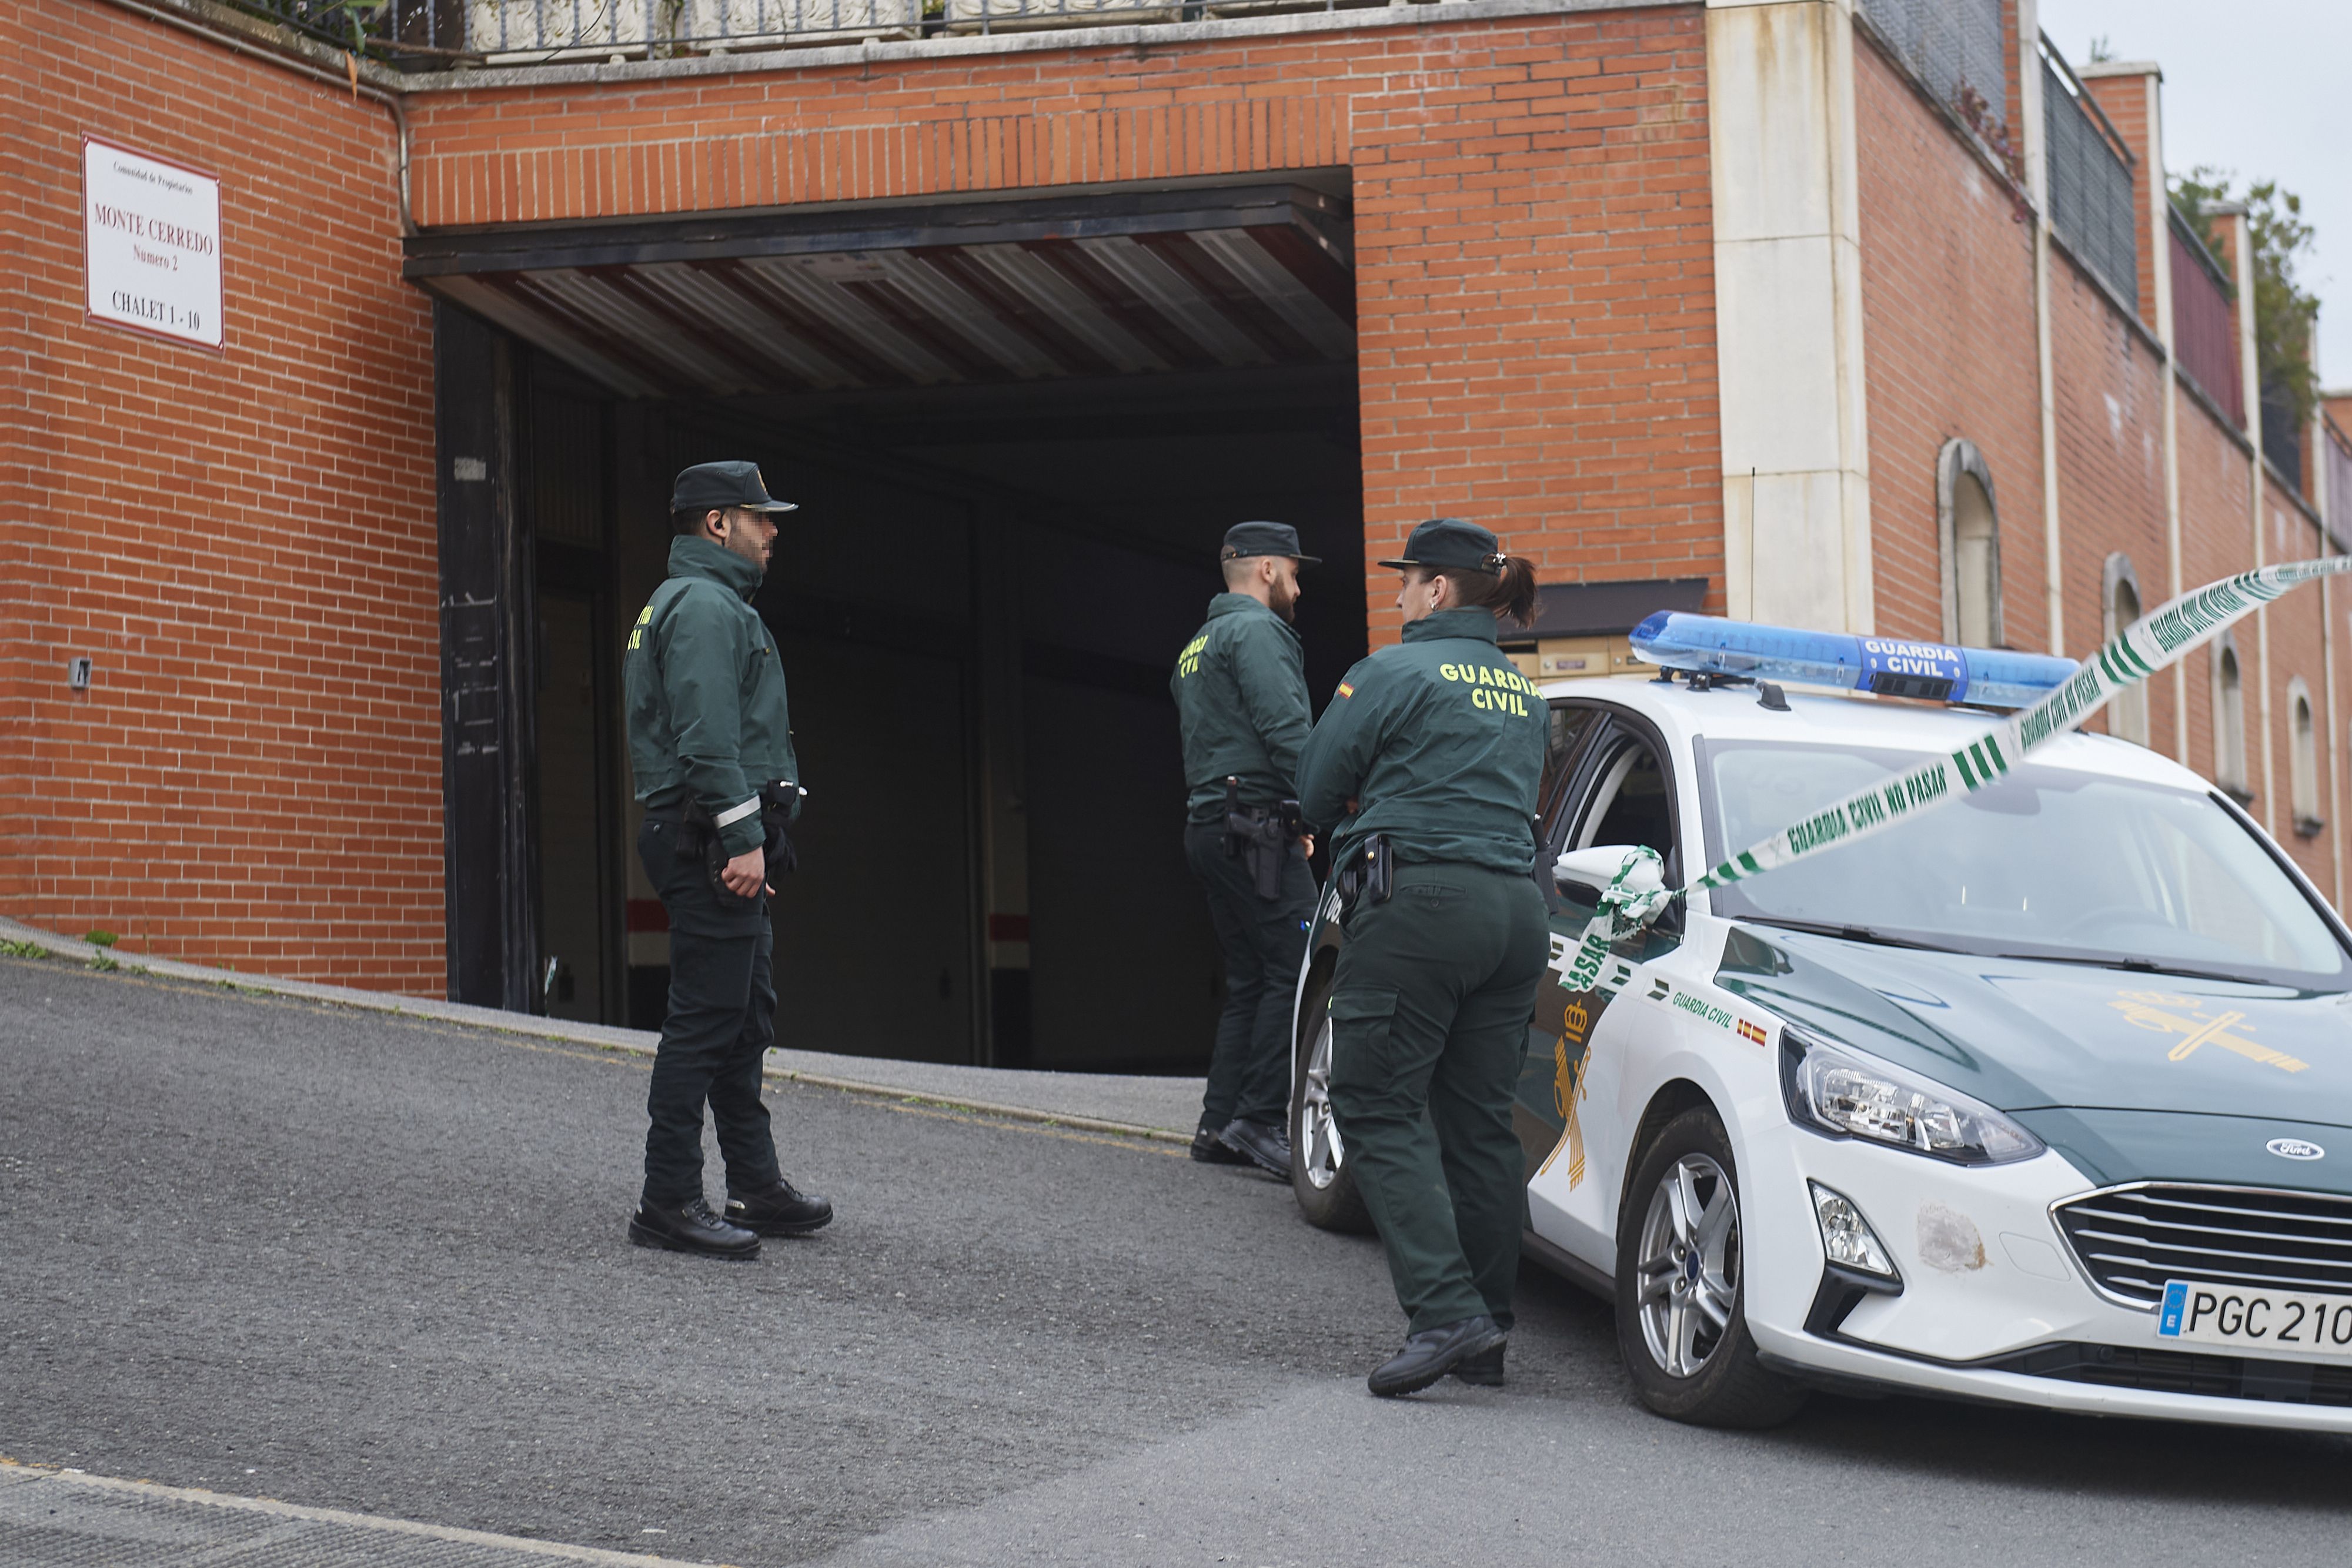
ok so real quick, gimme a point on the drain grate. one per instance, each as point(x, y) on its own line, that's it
point(58, 1519)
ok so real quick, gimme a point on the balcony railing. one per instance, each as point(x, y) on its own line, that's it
point(2204, 324)
point(427, 33)
point(2283, 436)
point(2336, 453)
point(1955, 46)
point(2091, 206)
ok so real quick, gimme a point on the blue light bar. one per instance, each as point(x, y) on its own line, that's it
point(1891, 666)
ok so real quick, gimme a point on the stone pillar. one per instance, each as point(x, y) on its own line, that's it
point(1788, 291)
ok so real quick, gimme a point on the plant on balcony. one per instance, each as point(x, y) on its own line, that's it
point(2285, 313)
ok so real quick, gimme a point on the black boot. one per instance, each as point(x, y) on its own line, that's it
point(1485, 1369)
point(782, 1210)
point(1210, 1149)
point(1266, 1147)
point(690, 1226)
point(1433, 1352)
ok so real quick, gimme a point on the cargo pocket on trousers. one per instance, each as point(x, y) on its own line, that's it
point(1361, 1019)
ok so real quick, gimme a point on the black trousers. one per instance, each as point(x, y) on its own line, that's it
point(721, 1021)
point(1263, 941)
point(1430, 1009)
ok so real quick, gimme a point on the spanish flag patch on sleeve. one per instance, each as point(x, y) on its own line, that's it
point(1346, 690)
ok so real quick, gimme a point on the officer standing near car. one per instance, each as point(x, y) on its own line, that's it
point(711, 746)
point(1240, 686)
point(1426, 766)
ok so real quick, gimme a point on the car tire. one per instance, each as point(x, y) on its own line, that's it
point(1682, 1321)
point(1319, 1177)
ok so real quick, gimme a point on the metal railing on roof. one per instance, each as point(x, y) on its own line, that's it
point(2283, 436)
point(2204, 325)
point(2091, 205)
point(425, 33)
point(1955, 46)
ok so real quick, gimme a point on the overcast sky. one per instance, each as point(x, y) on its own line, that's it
point(2257, 85)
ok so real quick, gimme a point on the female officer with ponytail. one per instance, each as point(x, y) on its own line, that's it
point(1426, 768)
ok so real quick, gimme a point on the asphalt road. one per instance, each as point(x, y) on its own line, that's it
point(348, 1262)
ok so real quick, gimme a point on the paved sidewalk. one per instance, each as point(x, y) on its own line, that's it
point(1165, 1109)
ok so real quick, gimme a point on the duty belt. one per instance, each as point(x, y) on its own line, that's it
point(1371, 873)
point(699, 831)
point(1261, 834)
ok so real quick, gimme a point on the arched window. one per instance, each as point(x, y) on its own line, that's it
point(2120, 596)
point(2302, 759)
point(1967, 531)
point(2229, 718)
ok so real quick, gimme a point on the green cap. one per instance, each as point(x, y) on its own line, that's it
point(1452, 544)
point(716, 486)
point(1265, 539)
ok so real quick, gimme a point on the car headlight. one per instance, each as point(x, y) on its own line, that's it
point(1841, 1092)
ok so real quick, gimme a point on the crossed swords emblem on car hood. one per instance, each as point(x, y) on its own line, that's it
point(2168, 1013)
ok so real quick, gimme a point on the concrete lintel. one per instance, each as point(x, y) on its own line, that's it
point(1036, 40)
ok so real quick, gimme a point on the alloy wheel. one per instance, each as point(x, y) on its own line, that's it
point(1320, 1153)
point(1686, 1281)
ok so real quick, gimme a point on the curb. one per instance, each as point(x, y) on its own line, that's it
point(605, 1037)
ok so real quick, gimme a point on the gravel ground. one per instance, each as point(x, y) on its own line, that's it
point(277, 1249)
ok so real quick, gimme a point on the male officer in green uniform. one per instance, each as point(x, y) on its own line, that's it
point(710, 744)
point(1240, 704)
point(1427, 764)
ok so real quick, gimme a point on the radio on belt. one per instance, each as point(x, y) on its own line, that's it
point(1890, 667)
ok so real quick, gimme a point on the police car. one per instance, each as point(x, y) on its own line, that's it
point(2043, 1096)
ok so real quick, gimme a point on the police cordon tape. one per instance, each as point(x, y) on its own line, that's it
point(1637, 892)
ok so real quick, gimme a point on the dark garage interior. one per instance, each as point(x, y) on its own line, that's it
point(1012, 474)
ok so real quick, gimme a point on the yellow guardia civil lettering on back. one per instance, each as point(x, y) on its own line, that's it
point(1499, 691)
point(1493, 698)
point(1189, 659)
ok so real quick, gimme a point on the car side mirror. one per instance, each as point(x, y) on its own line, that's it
point(1580, 874)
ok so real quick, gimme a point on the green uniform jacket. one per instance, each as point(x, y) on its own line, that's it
point(1440, 740)
point(1241, 707)
point(706, 695)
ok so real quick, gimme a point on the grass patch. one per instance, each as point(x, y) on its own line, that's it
point(22, 950)
point(100, 938)
point(104, 964)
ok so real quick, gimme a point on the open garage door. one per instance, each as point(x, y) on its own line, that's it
point(1017, 430)
point(966, 293)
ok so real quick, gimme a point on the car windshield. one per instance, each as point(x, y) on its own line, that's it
point(2049, 863)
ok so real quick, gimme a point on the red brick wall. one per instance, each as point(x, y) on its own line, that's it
point(1534, 292)
point(243, 540)
point(1948, 337)
point(2109, 387)
point(1948, 352)
point(2297, 623)
point(2216, 540)
point(2124, 100)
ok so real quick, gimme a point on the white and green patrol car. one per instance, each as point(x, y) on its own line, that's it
point(2043, 1096)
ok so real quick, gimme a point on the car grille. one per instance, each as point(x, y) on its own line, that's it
point(2184, 1372)
point(2131, 1239)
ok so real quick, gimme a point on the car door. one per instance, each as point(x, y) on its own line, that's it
point(1618, 792)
